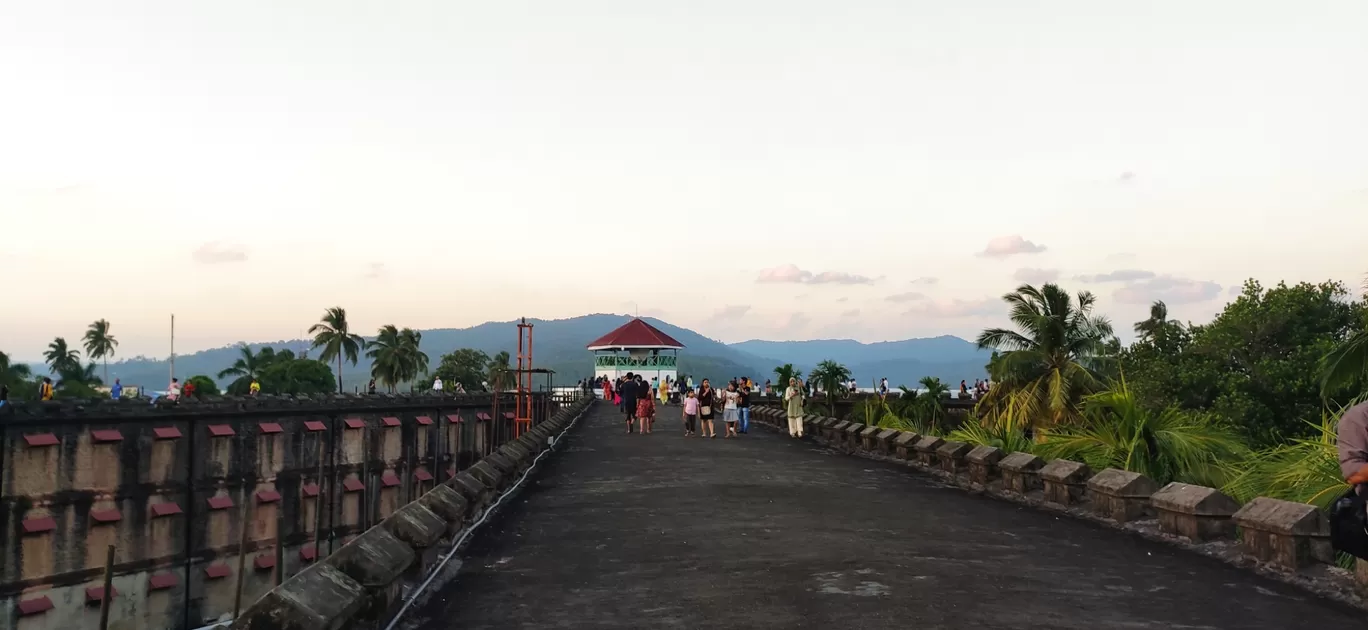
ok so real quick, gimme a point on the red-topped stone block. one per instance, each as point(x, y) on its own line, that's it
point(391, 421)
point(162, 581)
point(165, 509)
point(422, 475)
point(106, 516)
point(264, 561)
point(308, 552)
point(315, 425)
point(455, 418)
point(41, 439)
point(310, 489)
point(389, 480)
point(220, 503)
point(35, 606)
point(217, 571)
point(483, 417)
point(267, 496)
point(509, 415)
point(353, 485)
point(354, 423)
point(96, 593)
point(106, 435)
point(166, 433)
point(39, 524)
point(268, 428)
point(221, 430)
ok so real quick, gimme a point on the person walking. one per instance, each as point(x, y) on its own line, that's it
point(731, 411)
point(645, 412)
point(116, 392)
point(437, 384)
point(690, 413)
point(707, 399)
point(45, 391)
point(793, 405)
point(628, 391)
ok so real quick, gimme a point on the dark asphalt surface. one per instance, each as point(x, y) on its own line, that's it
point(663, 531)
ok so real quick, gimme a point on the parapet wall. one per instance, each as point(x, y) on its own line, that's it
point(364, 584)
point(173, 486)
point(1280, 539)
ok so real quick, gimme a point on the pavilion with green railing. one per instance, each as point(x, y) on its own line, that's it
point(637, 348)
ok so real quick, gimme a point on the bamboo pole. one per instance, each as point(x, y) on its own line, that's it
point(280, 544)
point(107, 600)
point(242, 554)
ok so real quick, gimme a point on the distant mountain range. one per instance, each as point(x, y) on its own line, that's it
point(559, 345)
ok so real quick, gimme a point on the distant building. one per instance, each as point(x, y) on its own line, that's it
point(636, 347)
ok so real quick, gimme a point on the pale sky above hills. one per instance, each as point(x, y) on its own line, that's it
point(439, 164)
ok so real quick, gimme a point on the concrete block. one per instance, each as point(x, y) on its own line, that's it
point(488, 475)
point(502, 463)
point(416, 525)
point(1065, 481)
point(868, 438)
point(476, 494)
point(1021, 472)
point(884, 438)
point(1120, 495)
point(320, 597)
point(375, 559)
point(836, 431)
point(905, 444)
point(982, 460)
point(850, 437)
point(448, 504)
point(1197, 512)
point(951, 455)
point(1291, 535)
point(926, 450)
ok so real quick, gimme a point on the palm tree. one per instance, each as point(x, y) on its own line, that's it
point(99, 344)
point(247, 367)
point(412, 357)
point(12, 373)
point(500, 374)
point(1114, 431)
point(61, 358)
point(1050, 363)
point(384, 353)
point(786, 372)
point(1157, 326)
point(831, 376)
point(933, 401)
point(338, 342)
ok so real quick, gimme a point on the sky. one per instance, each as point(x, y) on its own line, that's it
point(748, 168)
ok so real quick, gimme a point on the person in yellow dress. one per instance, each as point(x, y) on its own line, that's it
point(254, 388)
point(664, 391)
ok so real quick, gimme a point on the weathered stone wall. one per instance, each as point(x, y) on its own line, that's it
point(1280, 539)
point(363, 584)
point(172, 486)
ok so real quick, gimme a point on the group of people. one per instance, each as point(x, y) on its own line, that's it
point(637, 398)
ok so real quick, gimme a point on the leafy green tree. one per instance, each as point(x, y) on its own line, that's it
point(333, 334)
point(1305, 470)
point(100, 344)
point(288, 375)
point(395, 356)
point(1346, 367)
point(785, 372)
point(1115, 431)
point(12, 374)
point(246, 367)
point(831, 377)
point(1050, 362)
point(77, 381)
point(500, 373)
point(61, 358)
point(205, 386)
point(465, 366)
point(1258, 364)
point(1158, 327)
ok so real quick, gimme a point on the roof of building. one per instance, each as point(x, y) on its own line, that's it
point(634, 334)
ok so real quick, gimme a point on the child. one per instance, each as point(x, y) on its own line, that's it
point(645, 412)
point(731, 410)
point(690, 413)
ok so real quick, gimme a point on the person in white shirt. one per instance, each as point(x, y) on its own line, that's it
point(437, 384)
point(173, 391)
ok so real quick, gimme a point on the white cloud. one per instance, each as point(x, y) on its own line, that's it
point(1031, 275)
point(1004, 246)
point(1170, 289)
point(1120, 275)
point(911, 296)
point(957, 308)
point(214, 253)
point(730, 313)
point(793, 275)
point(925, 280)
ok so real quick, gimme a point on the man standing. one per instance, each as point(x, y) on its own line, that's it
point(116, 391)
point(1352, 445)
point(743, 406)
point(437, 384)
point(629, 390)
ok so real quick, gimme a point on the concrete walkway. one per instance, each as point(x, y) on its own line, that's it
point(662, 531)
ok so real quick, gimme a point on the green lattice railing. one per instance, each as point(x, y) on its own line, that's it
point(654, 362)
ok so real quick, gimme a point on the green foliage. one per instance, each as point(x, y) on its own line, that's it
point(1304, 470)
point(1259, 364)
point(204, 386)
point(61, 358)
point(246, 367)
point(499, 373)
point(831, 377)
point(13, 375)
point(1115, 431)
point(1008, 439)
point(465, 366)
point(395, 356)
point(278, 373)
point(783, 373)
point(333, 334)
point(1053, 359)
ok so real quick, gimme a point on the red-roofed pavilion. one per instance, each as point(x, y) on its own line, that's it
point(636, 347)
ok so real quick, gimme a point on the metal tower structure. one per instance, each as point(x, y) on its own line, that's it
point(523, 415)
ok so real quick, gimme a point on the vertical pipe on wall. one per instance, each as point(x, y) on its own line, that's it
point(190, 459)
point(363, 514)
point(242, 552)
point(107, 594)
point(318, 504)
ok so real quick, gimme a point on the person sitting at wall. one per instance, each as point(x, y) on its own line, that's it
point(1349, 514)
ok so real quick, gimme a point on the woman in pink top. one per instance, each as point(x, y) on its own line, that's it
point(690, 413)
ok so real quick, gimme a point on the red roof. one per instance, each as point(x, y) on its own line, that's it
point(635, 333)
